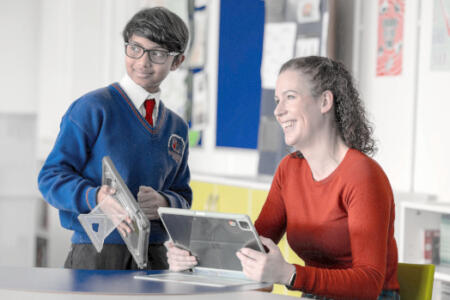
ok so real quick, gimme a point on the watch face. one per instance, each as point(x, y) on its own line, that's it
point(292, 281)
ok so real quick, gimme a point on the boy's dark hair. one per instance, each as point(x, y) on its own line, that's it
point(159, 25)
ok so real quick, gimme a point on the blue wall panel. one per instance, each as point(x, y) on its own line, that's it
point(239, 79)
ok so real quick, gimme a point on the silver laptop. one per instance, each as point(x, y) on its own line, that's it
point(214, 238)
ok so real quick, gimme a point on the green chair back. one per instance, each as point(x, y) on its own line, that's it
point(416, 281)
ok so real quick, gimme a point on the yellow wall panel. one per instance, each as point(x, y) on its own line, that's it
point(233, 199)
point(257, 200)
point(204, 195)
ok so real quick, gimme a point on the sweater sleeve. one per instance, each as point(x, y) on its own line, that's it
point(369, 202)
point(271, 222)
point(179, 193)
point(60, 180)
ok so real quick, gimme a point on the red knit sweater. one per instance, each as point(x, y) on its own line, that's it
point(341, 226)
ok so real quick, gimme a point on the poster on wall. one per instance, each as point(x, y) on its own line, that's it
point(390, 37)
point(278, 47)
point(308, 11)
point(440, 43)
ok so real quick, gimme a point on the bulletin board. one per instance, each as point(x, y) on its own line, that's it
point(197, 79)
point(293, 28)
point(239, 80)
point(243, 80)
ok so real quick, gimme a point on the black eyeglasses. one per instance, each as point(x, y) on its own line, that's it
point(155, 56)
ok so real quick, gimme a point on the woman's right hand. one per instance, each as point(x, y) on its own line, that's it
point(179, 259)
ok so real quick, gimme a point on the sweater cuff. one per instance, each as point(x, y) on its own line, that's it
point(172, 200)
point(91, 198)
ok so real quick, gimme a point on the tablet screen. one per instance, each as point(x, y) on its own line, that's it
point(214, 238)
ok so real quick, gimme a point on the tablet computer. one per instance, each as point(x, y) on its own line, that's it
point(98, 223)
point(214, 238)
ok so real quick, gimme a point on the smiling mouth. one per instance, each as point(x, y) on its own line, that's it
point(288, 124)
point(142, 74)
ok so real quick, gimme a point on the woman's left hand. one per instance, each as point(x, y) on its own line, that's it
point(266, 267)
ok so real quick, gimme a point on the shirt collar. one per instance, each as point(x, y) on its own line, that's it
point(138, 94)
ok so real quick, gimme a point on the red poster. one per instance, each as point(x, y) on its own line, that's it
point(390, 37)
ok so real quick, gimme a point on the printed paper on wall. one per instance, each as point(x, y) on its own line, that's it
point(390, 37)
point(278, 47)
point(440, 44)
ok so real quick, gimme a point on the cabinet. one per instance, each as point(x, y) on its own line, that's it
point(23, 234)
point(21, 237)
point(414, 218)
point(246, 196)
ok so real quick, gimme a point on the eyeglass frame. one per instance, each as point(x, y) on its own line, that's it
point(169, 53)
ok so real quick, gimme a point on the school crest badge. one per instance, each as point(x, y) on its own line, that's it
point(176, 147)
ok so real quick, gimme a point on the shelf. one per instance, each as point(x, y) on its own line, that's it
point(430, 206)
point(260, 182)
point(442, 273)
point(415, 217)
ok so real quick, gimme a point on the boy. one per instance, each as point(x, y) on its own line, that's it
point(147, 142)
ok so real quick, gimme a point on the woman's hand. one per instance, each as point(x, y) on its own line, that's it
point(179, 259)
point(266, 267)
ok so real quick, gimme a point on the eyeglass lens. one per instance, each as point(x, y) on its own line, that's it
point(156, 56)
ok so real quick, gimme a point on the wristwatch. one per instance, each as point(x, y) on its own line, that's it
point(290, 286)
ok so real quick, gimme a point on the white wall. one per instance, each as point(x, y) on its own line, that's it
point(410, 110)
point(432, 160)
point(18, 192)
point(18, 30)
point(390, 100)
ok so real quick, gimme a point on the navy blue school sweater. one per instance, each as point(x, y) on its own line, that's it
point(102, 123)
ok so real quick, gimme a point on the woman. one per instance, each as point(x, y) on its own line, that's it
point(333, 201)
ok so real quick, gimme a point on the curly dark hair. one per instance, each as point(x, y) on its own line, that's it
point(326, 74)
point(159, 25)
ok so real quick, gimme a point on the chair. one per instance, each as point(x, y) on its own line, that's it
point(416, 281)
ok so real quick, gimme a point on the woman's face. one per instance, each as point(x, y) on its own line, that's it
point(297, 112)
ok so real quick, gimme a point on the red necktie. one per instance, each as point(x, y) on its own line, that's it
point(149, 105)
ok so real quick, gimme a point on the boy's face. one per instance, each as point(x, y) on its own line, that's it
point(146, 73)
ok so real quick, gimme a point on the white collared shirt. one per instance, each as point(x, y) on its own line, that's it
point(138, 95)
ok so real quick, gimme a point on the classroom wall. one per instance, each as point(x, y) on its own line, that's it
point(390, 100)
point(17, 131)
point(18, 20)
point(409, 111)
point(431, 160)
point(50, 64)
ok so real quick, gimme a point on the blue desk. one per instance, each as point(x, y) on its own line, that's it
point(46, 283)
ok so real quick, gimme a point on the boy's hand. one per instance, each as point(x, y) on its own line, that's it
point(150, 200)
point(115, 212)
